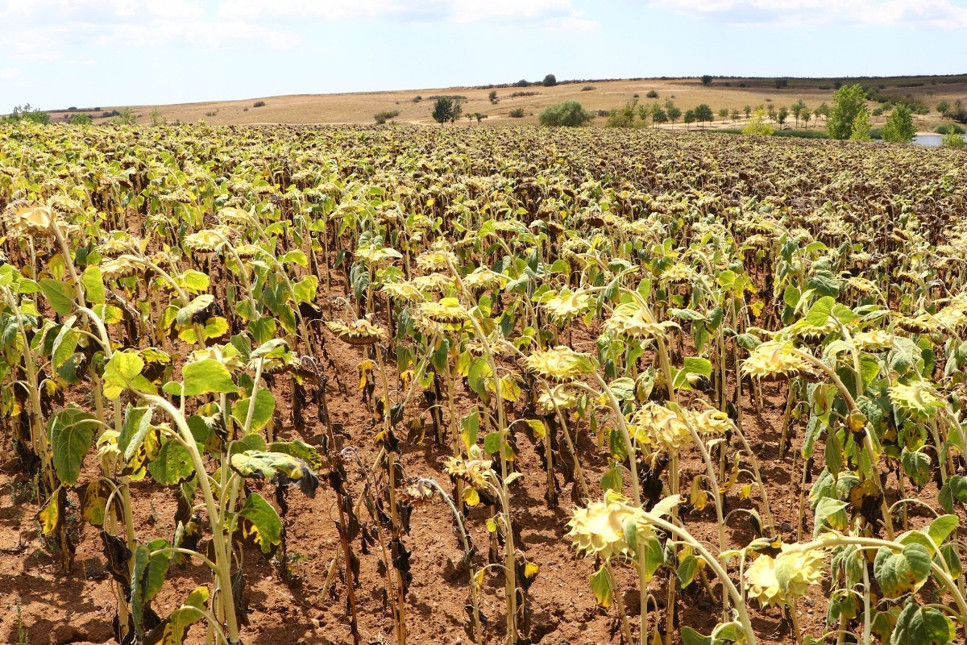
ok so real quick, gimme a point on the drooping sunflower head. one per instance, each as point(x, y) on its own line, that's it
point(568, 305)
point(402, 291)
point(436, 260)
point(360, 332)
point(560, 364)
point(475, 469)
point(602, 527)
point(556, 398)
point(919, 399)
point(205, 240)
point(876, 340)
point(775, 360)
point(776, 581)
point(446, 311)
point(660, 427)
point(631, 320)
point(121, 267)
point(484, 278)
point(28, 219)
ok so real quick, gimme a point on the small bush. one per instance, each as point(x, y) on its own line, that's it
point(652, 94)
point(244, 109)
point(953, 139)
point(417, 98)
point(211, 113)
point(604, 113)
point(258, 104)
point(757, 125)
point(550, 80)
point(948, 127)
point(587, 88)
point(516, 113)
point(516, 94)
point(568, 114)
point(522, 83)
point(386, 115)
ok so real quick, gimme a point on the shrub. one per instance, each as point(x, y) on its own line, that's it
point(899, 127)
point(522, 83)
point(258, 104)
point(386, 115)
point(652, 94)
point(948, 127)
point(417, 98)
point(549, 81)
point(953, 139)
point(493, 97)
point(604, 113)
point(587, 88)
point(516, 113)
point(81, 119)
point(757, 125)
point(568, 113)
point(516, 94)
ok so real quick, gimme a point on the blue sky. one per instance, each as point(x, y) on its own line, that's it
point(87, 53)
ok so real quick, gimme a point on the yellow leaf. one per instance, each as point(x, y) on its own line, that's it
point(478, 578)
point(50, 514)
point(531, 570)
point(471, 496)
point(698, 497)
point(745, 491)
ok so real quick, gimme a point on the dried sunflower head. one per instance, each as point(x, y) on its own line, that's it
point(31, 220)
point(121, 267)
point(118, 244)
point(561, 364)
point(438, 282)
point(568, 305)
point(436, 260)
point(230, 215)
point(679, 273)
point(658, 426)
point(556, 398)
point(918, 399)
point(776, 581)
point(484, 278)
point(601, 528)
point(447, 311)
point(631, 320)
point(361, 332)
point(861, 284)
point(375, 253)
point(873, 341)
point(402, 291)
point(922, 324)
point(775, 360)
point(205, 240)
point(475, 469)
point(418, 491)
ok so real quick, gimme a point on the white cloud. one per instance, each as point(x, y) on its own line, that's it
point(930, 13)
point(9, 73)
point(542, 12)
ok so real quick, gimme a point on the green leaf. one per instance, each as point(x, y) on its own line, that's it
point(259, 524)
point(916, 465)
point(901, 572)
point(696, 365)
point(261, 415)
point(71, 433)
point(196, 306)
point(120, 373)
point(173, 464)
point(296, 257)
point(922, 626)
point(64, 343)
point(601, 587)
point(157, 568)
point(93, 285)
point(623, 388)
point(469, 426)
point(137, 422)
point(195, 280)
point(479, 372)
point(175, 627)
point(819, 313)
point(687, 570)
point(59, 294)
point(305, 289)
point(692, 637)
point(492, 442)
point(941, 528)
point(612, 479)
point(299, 450)
point(207, 376)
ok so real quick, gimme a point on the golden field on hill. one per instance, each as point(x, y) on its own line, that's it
point(686, 93)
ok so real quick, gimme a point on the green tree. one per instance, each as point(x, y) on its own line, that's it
point(849, 104)
point(899, 127)
point(806, 115)
point(443, 110)
point(797, 110)
point(757, 125)
point(493, 97)
point(27, 113)
point(127, 116)
point(568, 113)
point(861, 127)
point(707, 80)
point(735, 114)
point(703, 114)
point(457, 110)
point(81, 119)
point(723, 113)
point(783, 115)
point(658, 115)
point(549, 81)
point(748, 110)
point(689, 117)
point(943, 107)
point(673, 112)
point(644, 112)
